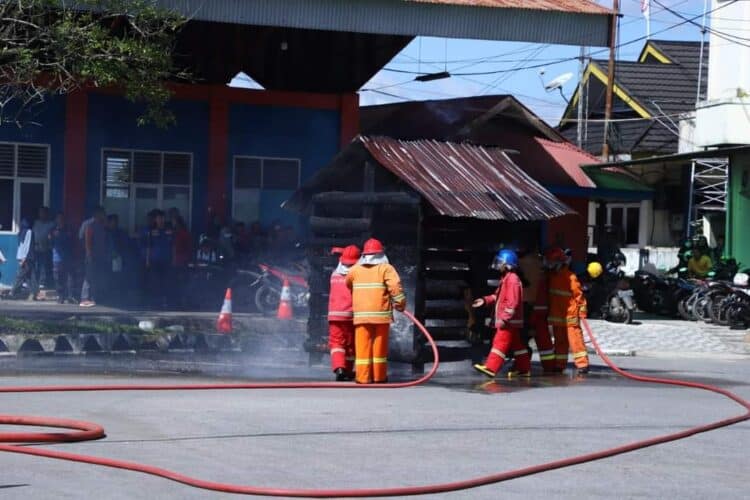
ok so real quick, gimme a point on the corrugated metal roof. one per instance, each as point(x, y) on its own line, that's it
point(581, 6)
point(570, 158)
point(571, 22)
point(461, 180)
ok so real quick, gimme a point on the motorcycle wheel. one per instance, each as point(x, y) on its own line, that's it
point(701, 309)
point(267, 300)
point(717, 307)
point(683, 309)
point(619, 314)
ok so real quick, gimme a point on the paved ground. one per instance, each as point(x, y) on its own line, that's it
point(659, 336)
point(451, 429)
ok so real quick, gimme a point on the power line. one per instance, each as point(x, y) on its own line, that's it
point(568, 59)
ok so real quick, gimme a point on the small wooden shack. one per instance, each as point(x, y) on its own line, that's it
point(442, 210)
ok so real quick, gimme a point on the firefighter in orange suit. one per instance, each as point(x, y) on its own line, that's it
point(376, 290)
point(508, 302)
point(567, 306)
point(340, 315)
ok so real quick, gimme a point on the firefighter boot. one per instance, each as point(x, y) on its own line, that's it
point(483, 369)
point(340, 375)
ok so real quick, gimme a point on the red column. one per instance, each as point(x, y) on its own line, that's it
point(74, 183)
point(218, 146)
point(349, 110)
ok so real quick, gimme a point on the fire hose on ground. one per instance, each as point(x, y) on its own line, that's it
point(85, 431)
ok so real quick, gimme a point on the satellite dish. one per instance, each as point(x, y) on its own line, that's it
point(558, 82)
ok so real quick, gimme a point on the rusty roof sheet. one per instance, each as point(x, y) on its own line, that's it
point(577, 6)
point(462, 180)
point(570, 158)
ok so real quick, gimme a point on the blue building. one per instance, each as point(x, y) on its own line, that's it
point(238, 153)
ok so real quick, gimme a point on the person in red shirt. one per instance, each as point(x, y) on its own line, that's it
point(508, 302)
point(341, 316)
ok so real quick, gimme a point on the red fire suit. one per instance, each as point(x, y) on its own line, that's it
point(567, 307)
point(540, 325)
point(508, 302)
point(340, 324)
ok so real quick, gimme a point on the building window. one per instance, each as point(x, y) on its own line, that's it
point(136, 182)
point(24, 183)
point(252, 174)
point(625, 217)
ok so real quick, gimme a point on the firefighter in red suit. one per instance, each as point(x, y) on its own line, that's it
point(340, 316)
point(508, 302)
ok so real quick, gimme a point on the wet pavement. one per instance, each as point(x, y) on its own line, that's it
point(458, 426)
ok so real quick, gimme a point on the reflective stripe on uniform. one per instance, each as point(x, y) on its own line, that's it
point(338, 349)
point(579, 354)
point(349, 358)
point(520, 352)
point(561, 356)
point(379, 360)
point(362, 362)
point(368, 285)
point(510, 310)
point(399, 297)
point(498, 352)
point(546, 354)
point(346, 314)
point(383, 314)
point(560, 293)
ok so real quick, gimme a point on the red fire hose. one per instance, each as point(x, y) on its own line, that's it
point(83, 431)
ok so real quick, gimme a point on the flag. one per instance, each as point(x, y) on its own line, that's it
point(646, 11)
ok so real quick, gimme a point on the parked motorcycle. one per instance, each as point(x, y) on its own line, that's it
point(269, 286)
point(610, 294)
point(655, 294)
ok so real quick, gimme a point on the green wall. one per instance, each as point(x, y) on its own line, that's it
point(738, 222)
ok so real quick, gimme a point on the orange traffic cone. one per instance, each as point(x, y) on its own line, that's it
point(224, 323)
point(285, 303)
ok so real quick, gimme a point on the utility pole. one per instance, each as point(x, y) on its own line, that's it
point(610, 77)
point(581, 96)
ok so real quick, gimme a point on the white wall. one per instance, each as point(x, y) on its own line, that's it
point(729, 62)
point(724, 117)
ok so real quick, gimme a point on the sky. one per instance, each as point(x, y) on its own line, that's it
point(430, 55)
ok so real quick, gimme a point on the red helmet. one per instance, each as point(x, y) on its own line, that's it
point(373, 246)
point(350, 255)
point(554, 255)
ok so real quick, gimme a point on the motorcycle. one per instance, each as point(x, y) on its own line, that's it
point(208, 277)
point(655, 294)
point(610, 294)
point(269, 285)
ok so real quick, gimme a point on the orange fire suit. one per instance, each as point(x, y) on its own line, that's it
point(508, 302)
point(567, 306)
point(540, 325)
point(375, 290)
point(340, 326)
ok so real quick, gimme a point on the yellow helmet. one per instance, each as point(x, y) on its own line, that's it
point(595, 270)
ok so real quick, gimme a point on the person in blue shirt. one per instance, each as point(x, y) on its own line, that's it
point(158, 260)
point(61, 240)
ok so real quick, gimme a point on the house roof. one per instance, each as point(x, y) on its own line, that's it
point(661, 90)
point(457, 180)
point(499, 121)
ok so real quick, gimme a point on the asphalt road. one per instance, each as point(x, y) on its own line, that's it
point(451, 429)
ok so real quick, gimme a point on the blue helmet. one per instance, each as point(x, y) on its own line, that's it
point(506, 257)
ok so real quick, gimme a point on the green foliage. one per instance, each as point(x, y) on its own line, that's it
point(55, 47)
